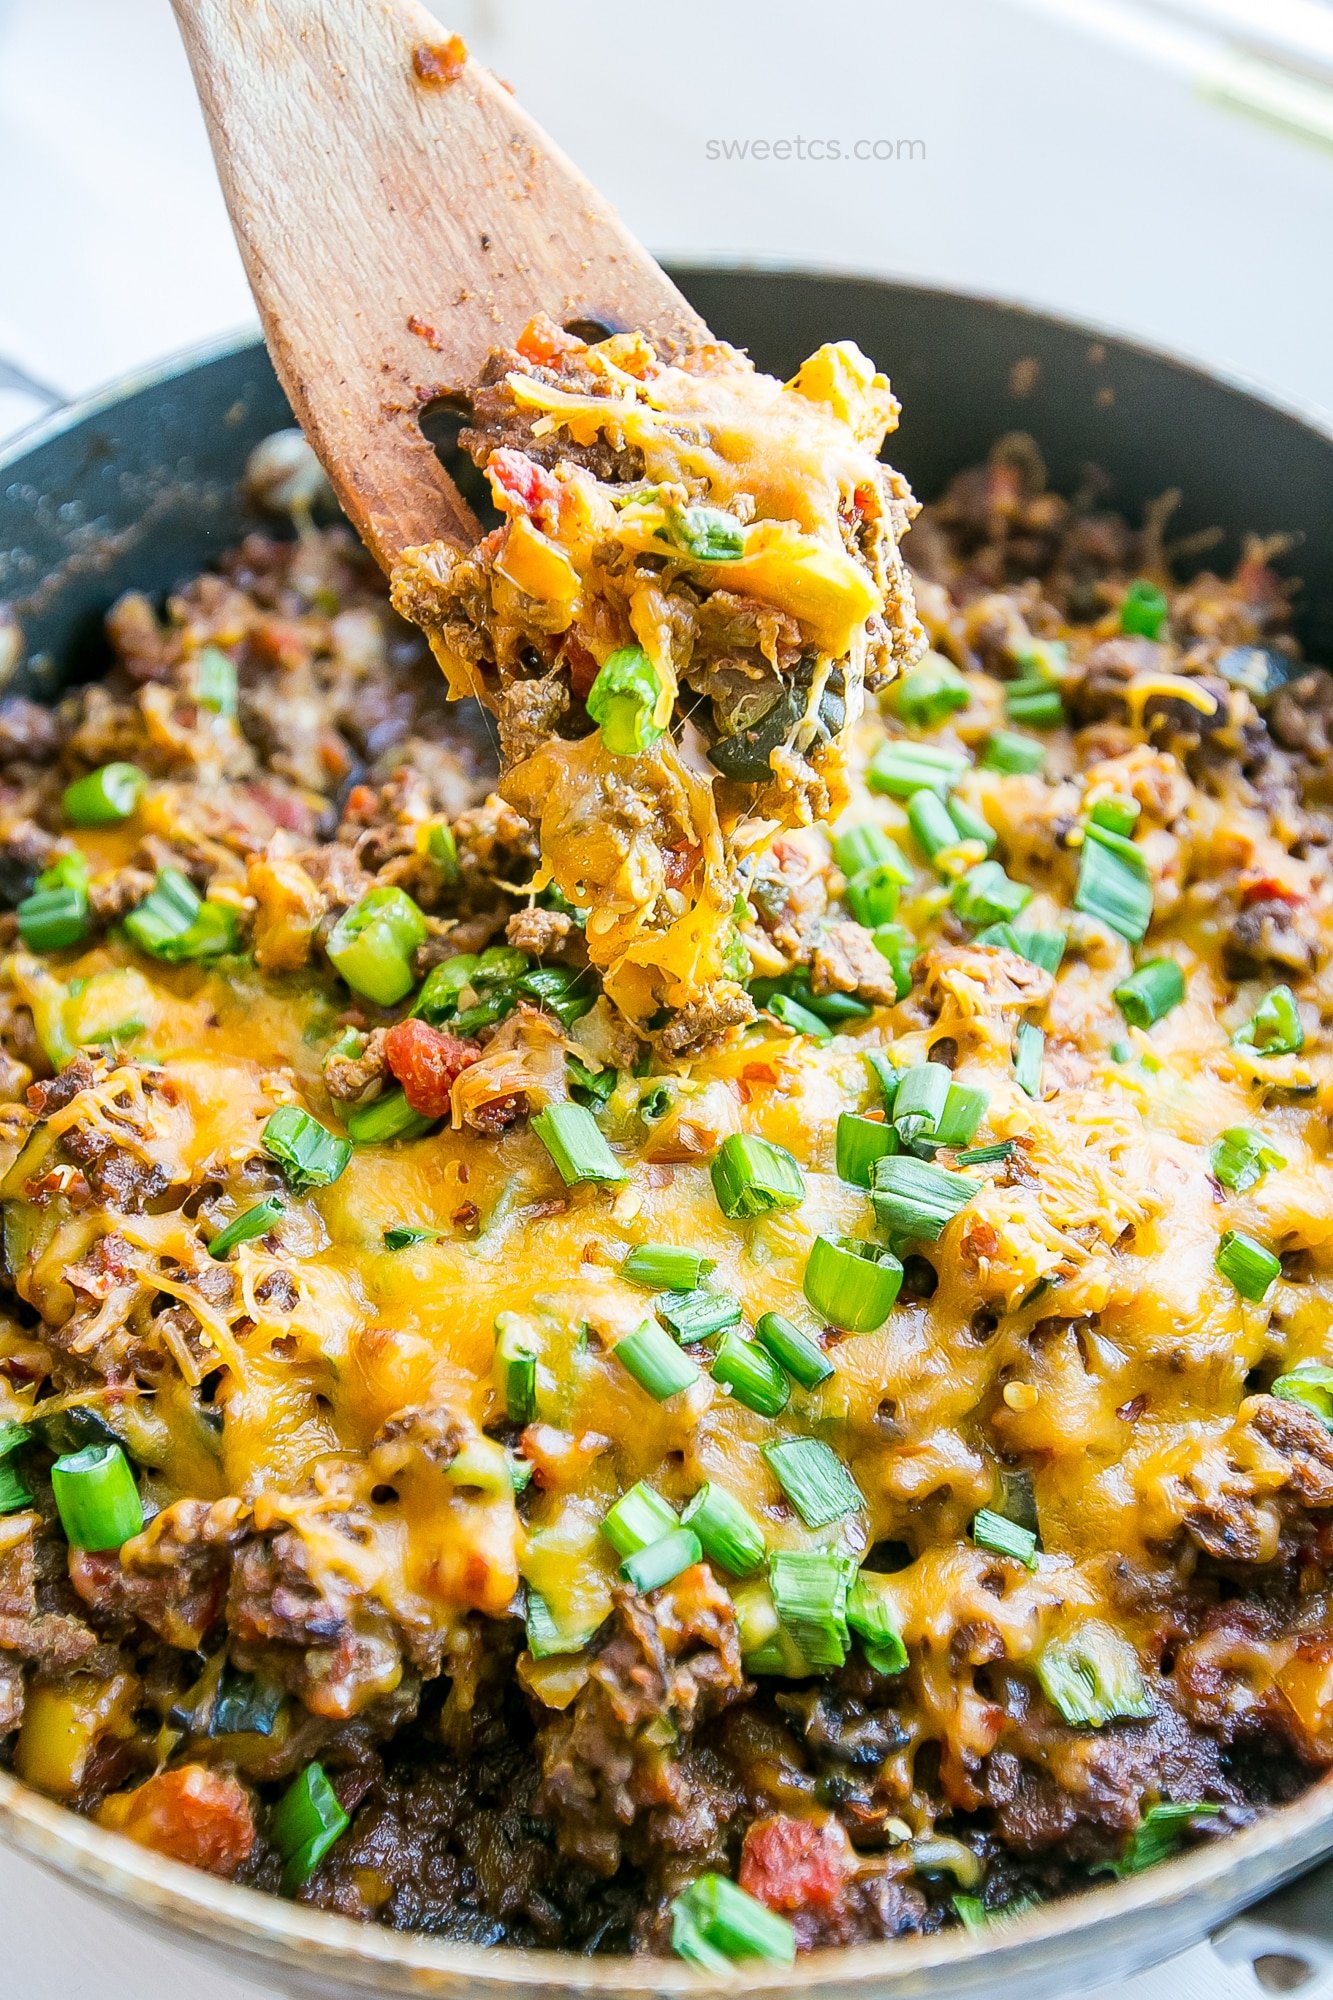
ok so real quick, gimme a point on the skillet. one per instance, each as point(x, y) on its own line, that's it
point(139, 487)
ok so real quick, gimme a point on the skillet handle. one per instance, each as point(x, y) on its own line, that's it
point(1287, 1930)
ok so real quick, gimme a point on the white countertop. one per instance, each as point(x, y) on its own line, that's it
point(1058, 167)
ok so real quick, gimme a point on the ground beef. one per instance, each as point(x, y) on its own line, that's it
point(845, 960)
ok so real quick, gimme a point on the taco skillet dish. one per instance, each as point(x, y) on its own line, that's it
point(671, 1289)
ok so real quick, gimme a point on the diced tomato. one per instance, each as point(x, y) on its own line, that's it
point(425, 1061)
point(360, 804)
point(543, 342)
point(522, 486)
point(1268, 889)
point(678, 864)
point(793, 1864)
point(194, 1815)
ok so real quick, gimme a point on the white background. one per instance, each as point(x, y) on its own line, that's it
point(1062, 166)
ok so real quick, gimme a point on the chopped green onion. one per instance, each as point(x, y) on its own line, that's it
point(1043, 948)
point(547, 1637)
point(308, 1153)
point(574, 1141)
point(1034, 703)
point(964, 1109)
point(1014, 755)
point(174, 924)
point(983, 1156)
point(664, 1267)
point(1003, 1537)
point(930, 693)
point(897, 944)
point(244, 1228)
point(986, 895)
point(105, 797)
point(1241, 1157)
point(387, 1117)
point(932, 827)
point(563, 990)
point(1092, 1676)
point(1309, 1383)
point(1116, 814)
point(814, 1479)
point(728, 1532)
point(872, 894)
point(802, 1357)
point(517, 1362)
point(661, 1562)
point(1029, 1055)
point(886, 1075)
point(868, 846)
point(1042, 660)
point(976, 1919)
point(709, 534)
point(1156, 1837)
point(861, 1141)
point(795, 985)
point(304, 1825)
point(639, 1518)
point(766, 1647)
point(623, 699)
point(54, 919)
point(923, 1092)
point(1150, 992)
point(588, 1086)
point(1143, 609)
point(971, 826)
point(438, 998)
point(714, 1923)
point(1251, 1268)
point(215, 681)
point(751, 1374)
point(406, 1236)
point(915, 1198)
point(442, 847)
point(1000, 937)
point(872, 1613)
point(798, 1018)
point(851, 1284)
point(96, 1497)
point(1275, 1027)
point(14, 1494)
point(810, 1591)
point(1114, 883)
point(699, 1314)
point(752, 1176)
point(737, 962)
point(900, 768)
point(372, 945)
point(654, 1360)
point(71, 870)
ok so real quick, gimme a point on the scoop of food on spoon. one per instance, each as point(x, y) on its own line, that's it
point(696, 575)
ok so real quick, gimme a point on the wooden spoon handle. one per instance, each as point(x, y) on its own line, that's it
point(399, 215)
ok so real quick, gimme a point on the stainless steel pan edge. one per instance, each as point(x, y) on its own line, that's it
point(1105, 1934)
point(141, 477)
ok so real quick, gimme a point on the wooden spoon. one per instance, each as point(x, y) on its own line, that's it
point(399, 215)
